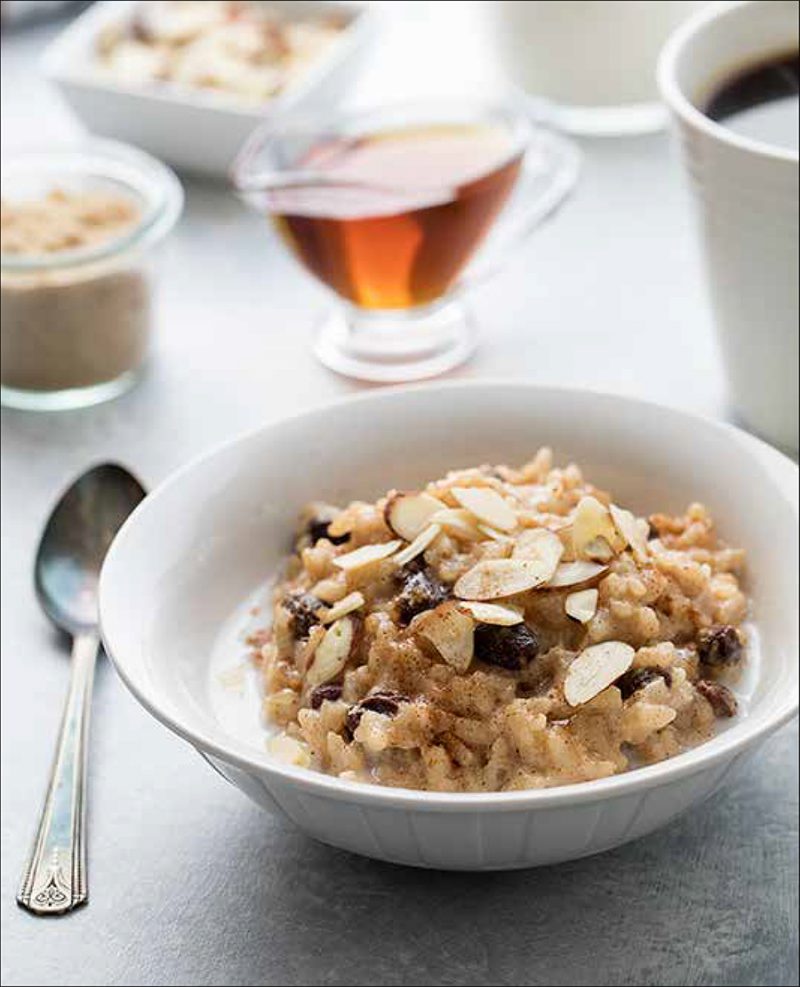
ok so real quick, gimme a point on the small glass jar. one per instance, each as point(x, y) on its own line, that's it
point(76, 324)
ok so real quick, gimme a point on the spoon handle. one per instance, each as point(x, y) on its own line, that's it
point(54, 881)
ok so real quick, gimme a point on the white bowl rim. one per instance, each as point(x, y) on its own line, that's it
point(721, 747)
point(675, 98)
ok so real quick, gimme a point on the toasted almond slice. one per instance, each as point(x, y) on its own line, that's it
point(494, 534)
point(450, 631)
point(487, 505)
point(492, 613)
point(539, 545)
point(581, 606)
point(633, 530)
point(407, 514)
point(492, 579)
point(594, 669)
point(418, 546)
point(332, 652)
point(353, 601)
point(290, 751)
point(575, 573)
point(598, 550)
point(591, 521)
point(457, 521)
point(366, 555)
point(330, 590)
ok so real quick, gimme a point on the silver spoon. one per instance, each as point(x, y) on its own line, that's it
point(74, 543)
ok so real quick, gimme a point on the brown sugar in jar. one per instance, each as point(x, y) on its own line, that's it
point(77, 282)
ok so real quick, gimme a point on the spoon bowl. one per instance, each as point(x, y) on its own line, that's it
point(74, 543)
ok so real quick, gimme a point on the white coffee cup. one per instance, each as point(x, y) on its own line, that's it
point(747, 196)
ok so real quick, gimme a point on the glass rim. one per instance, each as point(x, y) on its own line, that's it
point(274, 130)
point(141, 174)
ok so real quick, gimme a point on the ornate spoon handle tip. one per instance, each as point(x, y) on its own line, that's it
point(54, 880)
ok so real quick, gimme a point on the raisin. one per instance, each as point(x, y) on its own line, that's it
point(387, 703)
point(719, 646)
point(637, 678)
point(507, 647)
point(722, 700)
point(320, 528)
point(652, 531)
point(421, 591)
point(303, 607)
point(325, 693)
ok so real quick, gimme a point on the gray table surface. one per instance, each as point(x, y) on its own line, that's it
point(190, 883)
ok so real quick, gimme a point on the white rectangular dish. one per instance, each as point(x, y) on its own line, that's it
point(192, 129)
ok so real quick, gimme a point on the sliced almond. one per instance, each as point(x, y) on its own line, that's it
point(598, 550)
point(418, 546)
point(330, 590)
point(493, 579)
point(351, 602)
point(332, 652)
point(632, 529)
point(582, 605)
point(407, 514)
point(457, 521)
point(366, 555)
point(594, 669)
point(575, 573)
point(539, 545)
point(591, 522)
point(492, 613)
point(450, 631)
point(495, 535)
point(290, 751)
point(488, 506)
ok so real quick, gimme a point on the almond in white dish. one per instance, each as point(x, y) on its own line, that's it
point(496, 650)
point(408, 514)
point(582, 605)
point(451, 632)
point(575, 573)
point(497, 578)
point(488, 506)
point(492, 613)
point(348, 604)
point(596, 668)
point(418, 546)
point(459, 522)
point(594, 534)
point(332, 652)
point(366, 555)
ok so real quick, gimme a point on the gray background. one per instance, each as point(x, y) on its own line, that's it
point(193, 885)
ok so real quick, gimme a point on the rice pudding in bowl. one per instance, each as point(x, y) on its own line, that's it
point(501, 629)
point(181, 578)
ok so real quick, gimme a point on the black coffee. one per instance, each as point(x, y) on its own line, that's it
point(760, 101)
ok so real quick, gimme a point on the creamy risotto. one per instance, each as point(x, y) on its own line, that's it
point(501, 629)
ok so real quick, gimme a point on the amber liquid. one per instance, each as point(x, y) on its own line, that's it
point(429, 197)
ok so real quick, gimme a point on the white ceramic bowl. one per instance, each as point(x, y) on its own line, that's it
point(192, 129)
point(198, 547)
